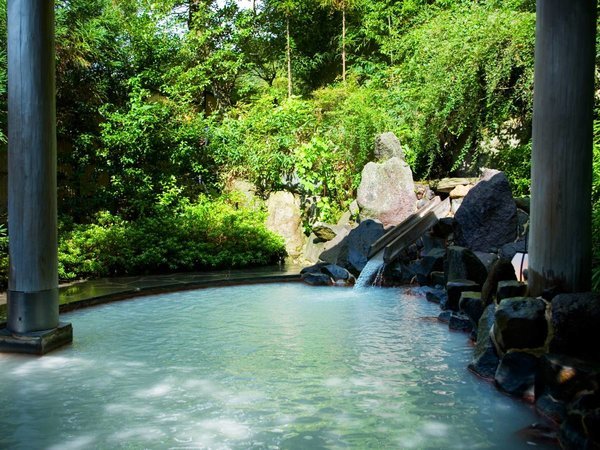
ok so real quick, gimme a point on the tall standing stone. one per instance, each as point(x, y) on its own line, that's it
point(284, 217)
point(387, 192)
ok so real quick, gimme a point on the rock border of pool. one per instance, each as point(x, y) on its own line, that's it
point(90, 293)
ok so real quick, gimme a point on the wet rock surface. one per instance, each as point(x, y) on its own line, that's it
point(501, 270)
point(460, 322)
point(510, 289)
point(576, 324)
point(520, 323)
point(455, 289)
point(337, 273)
point(351, 253)
point(462, 264)
point(485, 358)
point(471, 305)
point(324, 274)
point(316, 279)
point(516, 373)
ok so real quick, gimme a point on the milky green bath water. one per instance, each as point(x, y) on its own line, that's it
point(257, 367)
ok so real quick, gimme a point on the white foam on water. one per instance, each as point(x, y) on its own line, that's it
point(81, 442)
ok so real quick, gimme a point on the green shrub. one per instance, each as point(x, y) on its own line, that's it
point(204, 235)
point(147, 144)
point(462, 75)
point(325, 141)
point(257, 140)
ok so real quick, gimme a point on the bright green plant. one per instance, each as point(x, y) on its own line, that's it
point(257, 140)
point(147, 145)
point(202, 235)
point(463, 74)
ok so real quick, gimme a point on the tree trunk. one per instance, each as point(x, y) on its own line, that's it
point(193, 8)
point(344, 44)
point(289, 57)
point(390, 34)
point(561, 175)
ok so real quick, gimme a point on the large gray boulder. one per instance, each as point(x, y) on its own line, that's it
point(487, 218)
point(387, 146)
point(387, 192)
point(351, 253)
point(284, 217)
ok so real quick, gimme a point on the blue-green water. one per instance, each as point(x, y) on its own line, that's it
point(262, 366)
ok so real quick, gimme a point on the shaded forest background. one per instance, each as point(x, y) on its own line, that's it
point(161, 103)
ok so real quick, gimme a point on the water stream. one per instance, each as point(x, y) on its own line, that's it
point(372, 271)
point(280, 366)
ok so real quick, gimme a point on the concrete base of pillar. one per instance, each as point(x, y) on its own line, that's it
point(32, 311)
point(36, 343)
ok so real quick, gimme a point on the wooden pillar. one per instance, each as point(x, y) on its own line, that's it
point(33, 277)
point(561, 176)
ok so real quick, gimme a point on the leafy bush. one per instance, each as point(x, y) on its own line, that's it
point(463, 74)
point(351, 117)
point(257, 140)
point(145, 146)
point(203, 235)
point(322, 142)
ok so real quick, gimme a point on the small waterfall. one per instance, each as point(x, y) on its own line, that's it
point(372, 274)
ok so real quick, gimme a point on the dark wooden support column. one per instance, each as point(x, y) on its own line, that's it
point(560, 236)
point(32, 223)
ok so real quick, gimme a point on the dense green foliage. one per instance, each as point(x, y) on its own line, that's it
point(209, 234)
point(161, 103)
point(460, 93)
point(321, 143)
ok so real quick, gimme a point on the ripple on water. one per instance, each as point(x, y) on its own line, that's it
point(263, 366)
